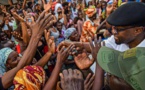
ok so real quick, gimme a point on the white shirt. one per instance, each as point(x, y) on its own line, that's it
point(110, 42)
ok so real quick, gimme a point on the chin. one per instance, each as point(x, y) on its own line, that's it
point(118, 43)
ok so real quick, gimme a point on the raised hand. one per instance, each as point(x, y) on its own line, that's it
point(50, 42)
point(83, 60)
point(63, 53)
point(47, 6)
point(95, 46)
point(16, 16)
point(72, 80)
point(89, 81)
point(43, 22)
point(109, 8)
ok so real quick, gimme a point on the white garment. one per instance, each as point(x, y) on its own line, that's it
point(110, 42)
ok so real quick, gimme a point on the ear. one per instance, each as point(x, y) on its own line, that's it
point(138, 31)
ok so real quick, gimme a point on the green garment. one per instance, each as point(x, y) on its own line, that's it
point(128, 65)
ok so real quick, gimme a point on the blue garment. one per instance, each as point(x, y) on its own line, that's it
point(4, 53)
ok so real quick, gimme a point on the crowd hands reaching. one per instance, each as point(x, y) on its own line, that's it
point(54, 36)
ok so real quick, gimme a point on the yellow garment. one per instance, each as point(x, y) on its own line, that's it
point(29, 78)
point(119, 3)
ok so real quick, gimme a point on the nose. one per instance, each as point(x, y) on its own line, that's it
point(114, 30)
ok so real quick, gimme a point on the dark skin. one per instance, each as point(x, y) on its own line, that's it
point(61, 58)
point(74, 36)
point(72, 80)
point(132, 37)
point(12, 60)
point(44, 21)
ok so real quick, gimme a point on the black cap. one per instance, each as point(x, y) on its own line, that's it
point(130, 14)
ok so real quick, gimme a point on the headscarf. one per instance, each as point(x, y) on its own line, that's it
point(87, 2)
point(4, 53)
point(58, 5)
point(68, 32)
point(29, 78)
point(90, 11)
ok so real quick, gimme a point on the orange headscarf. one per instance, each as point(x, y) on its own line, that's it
point(29, 78)
point(90, 11)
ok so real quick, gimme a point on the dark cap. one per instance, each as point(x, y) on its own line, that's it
point(130, 14)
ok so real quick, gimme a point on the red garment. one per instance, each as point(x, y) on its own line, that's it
point(53, 5)
point(18, 48)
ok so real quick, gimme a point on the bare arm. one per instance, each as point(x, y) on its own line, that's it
point(99, 78)
point(24, 4)
point(25, 35)
point(10, 2)
point(61, 58)
point(38, 29)
point(42, 62)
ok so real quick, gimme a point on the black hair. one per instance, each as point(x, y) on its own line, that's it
point(65, 4)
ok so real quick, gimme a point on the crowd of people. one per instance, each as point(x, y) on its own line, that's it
point(72, 45)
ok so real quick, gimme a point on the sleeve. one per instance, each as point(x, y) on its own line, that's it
point(110, 42)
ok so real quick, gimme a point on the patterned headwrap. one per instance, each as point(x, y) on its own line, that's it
point(68, 32)
point(4, 53)
point(90, 11)
point(30, 78)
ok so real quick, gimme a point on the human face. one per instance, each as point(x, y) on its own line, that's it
point(59, 26)
point(74, 36)
point(80, 15)
point(123, 34)
point(90, 3)
point(13, 60)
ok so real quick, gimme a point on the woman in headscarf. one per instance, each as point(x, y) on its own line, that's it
point(59, 13)
point(8, 60)
point(89, 26)
point(30, 78)
point(71, 34)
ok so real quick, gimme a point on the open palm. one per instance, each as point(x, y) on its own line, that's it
point(83, 60)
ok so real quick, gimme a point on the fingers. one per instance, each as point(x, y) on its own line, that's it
point(96, 40)
point(65, 73)
point(62, 49)
point(89, 81)
point(62, 80)
point(87, 78)
point(70, 71)
point(51, 21)
point(47, 19)
point(44, 2)
point(80, 75)
point(40, 17)
point(91, 44)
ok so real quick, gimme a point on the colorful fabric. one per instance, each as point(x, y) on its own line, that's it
point(90, 11)
point(68, 32)
point(29, 78)
point(53, 6)
point(89, 30)
point(4, 53)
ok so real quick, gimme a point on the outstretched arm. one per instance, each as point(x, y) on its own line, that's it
point(61, 58)
point(43, 22)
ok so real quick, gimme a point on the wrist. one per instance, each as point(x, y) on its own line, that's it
point(59, 63)
point(49, 53)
